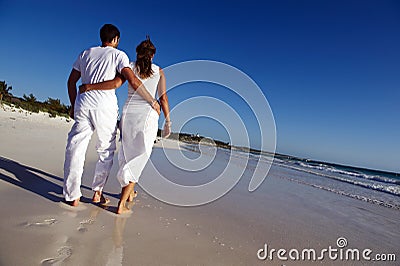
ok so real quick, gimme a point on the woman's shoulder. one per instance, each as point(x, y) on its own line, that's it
point(155, 68)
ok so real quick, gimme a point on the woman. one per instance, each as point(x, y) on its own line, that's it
point(139, 121)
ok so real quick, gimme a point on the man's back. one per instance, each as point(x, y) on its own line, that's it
point(99, 64)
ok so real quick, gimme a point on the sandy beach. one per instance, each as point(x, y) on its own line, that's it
point(38, 229)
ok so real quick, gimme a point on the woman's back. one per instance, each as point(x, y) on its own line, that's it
point(150, 83)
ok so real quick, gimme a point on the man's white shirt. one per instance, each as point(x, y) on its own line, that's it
point(99, 64)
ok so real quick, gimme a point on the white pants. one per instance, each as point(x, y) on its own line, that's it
point(86, 121)
point(139, 126)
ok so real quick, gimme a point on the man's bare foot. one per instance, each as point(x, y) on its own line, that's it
point(122, 209)
point(132, 196)
point(73, 203)
point(98, 197)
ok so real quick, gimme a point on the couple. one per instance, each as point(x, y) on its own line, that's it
point(101, 70)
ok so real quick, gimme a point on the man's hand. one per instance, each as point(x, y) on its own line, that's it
point(156, 106)
point(83, 88)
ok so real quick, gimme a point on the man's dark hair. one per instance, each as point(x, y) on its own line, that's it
point(108, 32)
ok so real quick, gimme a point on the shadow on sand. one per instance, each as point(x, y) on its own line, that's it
point(29, 179)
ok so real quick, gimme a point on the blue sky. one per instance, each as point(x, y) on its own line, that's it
point(329, 69)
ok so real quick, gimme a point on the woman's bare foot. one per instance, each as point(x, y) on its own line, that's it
point(129, 205)
point(125, 194)
point(122, 209)
point(132, 196)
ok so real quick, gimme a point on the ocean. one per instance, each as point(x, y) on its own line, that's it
point(375, 187)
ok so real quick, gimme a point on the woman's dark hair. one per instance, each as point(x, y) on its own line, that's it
point(144, 51)
point(108, 32)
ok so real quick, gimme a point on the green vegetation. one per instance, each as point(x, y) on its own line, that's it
point(30, 103)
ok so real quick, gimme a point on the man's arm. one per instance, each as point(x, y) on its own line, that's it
point(105, 85)
point(138, 86)
point(73, 78)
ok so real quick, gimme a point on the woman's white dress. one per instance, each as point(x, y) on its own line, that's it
point(139, 125)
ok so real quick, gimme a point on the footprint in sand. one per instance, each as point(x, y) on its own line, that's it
point(82, 225)
point(63, 254)
point(44, 223)
point(87, 221)
point(82, 229)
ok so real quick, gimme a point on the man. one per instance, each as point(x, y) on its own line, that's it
point(96, 110)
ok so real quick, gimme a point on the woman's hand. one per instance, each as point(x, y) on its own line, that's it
point(167, 129)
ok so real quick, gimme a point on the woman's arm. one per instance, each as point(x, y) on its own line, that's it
point(105, 85)
point(162, 93)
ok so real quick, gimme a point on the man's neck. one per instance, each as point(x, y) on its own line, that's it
point(107, 44)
